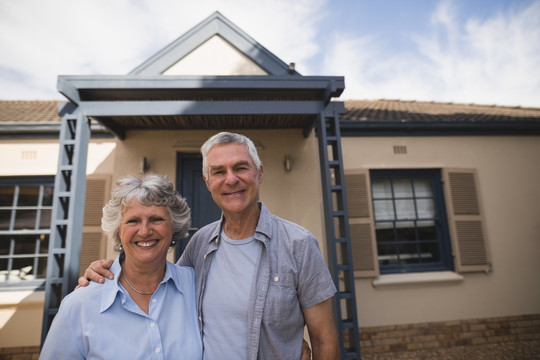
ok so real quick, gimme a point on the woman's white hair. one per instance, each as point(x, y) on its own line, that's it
point(150, 190)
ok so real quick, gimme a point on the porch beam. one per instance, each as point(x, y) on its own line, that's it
point(164, 108)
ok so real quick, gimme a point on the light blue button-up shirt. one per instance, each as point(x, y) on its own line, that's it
point(103, 322)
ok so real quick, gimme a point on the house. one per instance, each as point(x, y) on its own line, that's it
point(427, 213)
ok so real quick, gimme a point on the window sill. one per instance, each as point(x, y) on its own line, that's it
point(15, 296)
point(417, 278)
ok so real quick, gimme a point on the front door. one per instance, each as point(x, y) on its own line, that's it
point(191, 186)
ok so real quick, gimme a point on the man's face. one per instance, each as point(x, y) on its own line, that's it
point(233, 178)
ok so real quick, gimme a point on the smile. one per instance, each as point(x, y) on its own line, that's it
point(146, 243)
point(234, 193)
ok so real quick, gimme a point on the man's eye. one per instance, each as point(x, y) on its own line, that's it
point(131, 221)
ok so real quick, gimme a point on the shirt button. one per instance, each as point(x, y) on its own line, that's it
point(152, 325)
point(205, 256)
point(276, 279)
point(154, 301)
point(158, 350)
point(200, 318)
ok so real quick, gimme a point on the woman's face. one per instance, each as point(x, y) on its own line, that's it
point(145, 233)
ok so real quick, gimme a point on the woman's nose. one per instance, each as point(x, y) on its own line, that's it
point(145, 228)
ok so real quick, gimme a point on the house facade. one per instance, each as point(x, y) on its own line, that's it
point(439, 239)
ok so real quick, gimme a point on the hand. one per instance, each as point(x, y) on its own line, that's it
point(96, 272)
point(306, 351)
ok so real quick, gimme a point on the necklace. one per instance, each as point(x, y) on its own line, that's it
point(137, 291)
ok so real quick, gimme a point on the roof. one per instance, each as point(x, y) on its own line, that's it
point(215, 25)
point(28, 111)
point(397, 110)
point(361, 117)
point(398, 118)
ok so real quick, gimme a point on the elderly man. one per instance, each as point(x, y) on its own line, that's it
point(259, 278)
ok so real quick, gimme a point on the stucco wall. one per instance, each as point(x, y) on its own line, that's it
point(508, 173)
point(294, 195)
point(21, 310)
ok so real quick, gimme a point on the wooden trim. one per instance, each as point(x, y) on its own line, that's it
point(98, 188)
point(361, 226)
point(466, 220)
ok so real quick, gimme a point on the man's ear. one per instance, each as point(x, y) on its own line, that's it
point(261, 174)
point(206, 182)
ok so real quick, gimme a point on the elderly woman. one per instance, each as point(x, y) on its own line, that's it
point(148, 311)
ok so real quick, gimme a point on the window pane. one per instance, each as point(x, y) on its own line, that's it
point(406, 231)
point(384, 210)
point(427, 231)
point(405, 209)
point(381, 188)
point(387, 254)
point(25, 219)
point(402, 188)
point(44, 243)
point(5, 216)
point(25, 244)
point(385, 234)
point(6, 195)
point(48, 192)
point(426, 208)
point(408, 254)
point(422, 187)
point(4, 245)
point(430, 252)
point(45, 220)
point(42, 268)
point(28, 196)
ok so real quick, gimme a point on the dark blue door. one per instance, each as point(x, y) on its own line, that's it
point(191, 185)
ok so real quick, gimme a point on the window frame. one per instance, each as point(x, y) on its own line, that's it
point(17, 182)
point(446, 262)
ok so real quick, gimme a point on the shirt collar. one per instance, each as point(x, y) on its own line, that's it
point(112, 288)
point(264, 226)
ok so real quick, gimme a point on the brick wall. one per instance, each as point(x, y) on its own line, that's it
point(20, 353)
point(443, 335)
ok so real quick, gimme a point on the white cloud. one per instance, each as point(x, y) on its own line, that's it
point(494, 61)
point(43, 39)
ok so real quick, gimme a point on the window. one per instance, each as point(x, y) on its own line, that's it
point(407, 220)
point(25, 215)
point(410, 221)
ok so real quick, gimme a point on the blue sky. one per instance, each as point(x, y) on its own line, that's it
point(462, 51)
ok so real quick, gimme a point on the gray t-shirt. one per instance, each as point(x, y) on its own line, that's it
point(225, 302)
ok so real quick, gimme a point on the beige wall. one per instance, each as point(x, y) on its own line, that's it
point(21, 310)
point(508, 173)
point(293, 195)
point(507, 169)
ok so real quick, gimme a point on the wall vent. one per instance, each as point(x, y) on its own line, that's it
point(400, 150)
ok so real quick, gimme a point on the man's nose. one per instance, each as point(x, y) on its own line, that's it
point(231, 178)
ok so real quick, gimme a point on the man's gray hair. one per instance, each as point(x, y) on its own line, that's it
point(224, 138)
point(150, 190)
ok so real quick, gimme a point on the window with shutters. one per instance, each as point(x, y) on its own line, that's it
point(410, 221)
point(407, 220)
point(25, 215)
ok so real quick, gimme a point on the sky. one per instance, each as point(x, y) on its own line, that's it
point(460, 51)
